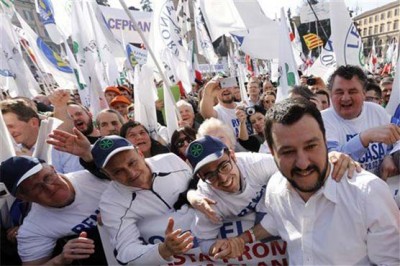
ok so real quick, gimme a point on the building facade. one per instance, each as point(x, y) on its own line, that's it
point(380, 24)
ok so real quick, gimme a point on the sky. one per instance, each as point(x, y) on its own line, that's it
point(272, 7)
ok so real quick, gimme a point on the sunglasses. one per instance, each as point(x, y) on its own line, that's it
point(181, 142)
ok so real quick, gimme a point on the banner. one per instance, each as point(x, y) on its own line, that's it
point(117, 21)
point(271, 252)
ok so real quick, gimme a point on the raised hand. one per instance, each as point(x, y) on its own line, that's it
point(76, 144)
point(175, 242)
point(59, 97)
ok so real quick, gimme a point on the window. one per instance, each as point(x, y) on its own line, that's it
point(382, 28)
point(365, 32)
point(376, 18)
point(370, 20)
point(370, 31)
point(382, 16)
point(396, 12)
point(389, 14)
point(359, 22)
point(365, 21)
point(396, 25)
point(389, 26)
point(376, 29)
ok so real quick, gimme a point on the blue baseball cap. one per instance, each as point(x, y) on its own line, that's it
point(106, 147)
point(16, 169)
point(204, 150)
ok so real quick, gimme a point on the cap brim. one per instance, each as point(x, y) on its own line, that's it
point(209, 159)
point(34, 170)
point(111, 154)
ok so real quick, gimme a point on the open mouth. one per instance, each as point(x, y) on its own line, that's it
point(79, 123)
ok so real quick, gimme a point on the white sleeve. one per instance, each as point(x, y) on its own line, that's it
point(121, 226)
point(382, 220)
point(33, 246)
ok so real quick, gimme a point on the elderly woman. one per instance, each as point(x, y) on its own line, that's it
point(139, 136)
point(216, 128)
point(187, 115)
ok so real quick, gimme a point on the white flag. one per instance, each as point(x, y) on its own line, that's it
point(287, 65)
point(6, 141)
point(221, 17)
point(347, 42)
point(166, 43)
point(87, 51)
point(372, 59)
point(394, 101)
point(145, 96)
point(325, 64)
point(15, 75)
point(47, 60)
point(204, 44)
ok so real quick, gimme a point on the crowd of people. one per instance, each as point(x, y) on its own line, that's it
point(308, 171)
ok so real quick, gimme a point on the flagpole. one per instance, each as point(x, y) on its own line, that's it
point(146, 44)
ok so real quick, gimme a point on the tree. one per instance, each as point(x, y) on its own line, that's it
point(146, 5)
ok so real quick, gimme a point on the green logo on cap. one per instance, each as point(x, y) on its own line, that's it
point(196, 149)
point(105, 144)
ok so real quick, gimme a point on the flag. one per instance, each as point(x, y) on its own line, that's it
point(394, 101)
point(259, 29)
point(136, 55)
point(221, 17)
point(325, 64)
point(372, 59)
point(312, 41)
point(346, 40)
point(204, 44)
point(15, 75)
point(7, 7)
point(95, 47)
point(55, 18)
point(47, 60)
point(287, 65)
point(183, 18)
point(167, 44)
point(297, 48)
point(145, 96)
point(6, 141)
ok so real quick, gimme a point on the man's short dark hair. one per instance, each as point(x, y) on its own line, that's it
point(288, 112)
point(372, 86)
point(324, 92)
point(20, 108)
point(348, 72)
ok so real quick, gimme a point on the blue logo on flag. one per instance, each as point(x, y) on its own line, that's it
point(53, 57)
point(46, 12)
point(396, 117)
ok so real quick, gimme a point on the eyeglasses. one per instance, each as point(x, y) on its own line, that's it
point(223, 169)
point(48, 179)
point(181, 142)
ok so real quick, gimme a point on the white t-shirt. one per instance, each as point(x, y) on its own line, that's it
point(123, 207)
point(228, 116)
point(343, 135)
point(256, 170)
point(353, 222)
point(42, 227)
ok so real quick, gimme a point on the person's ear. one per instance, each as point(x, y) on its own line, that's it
point(232, 155)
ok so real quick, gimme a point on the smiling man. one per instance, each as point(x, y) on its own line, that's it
point(83, 121)
point(226, 107)
point(358, 128)
point(351, 222)
point(141, 190)
point(63, 207)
